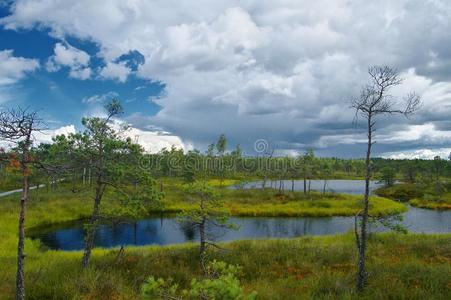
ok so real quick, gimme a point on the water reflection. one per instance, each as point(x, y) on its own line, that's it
point(337, 186)
point(164, 231)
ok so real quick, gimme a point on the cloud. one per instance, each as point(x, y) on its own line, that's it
point(444, 153)
point(75, 59)
point(100, 98)
point(115, 71)
point(13, 69)
point(154, 142)
point(46, 135)
point(424, 134)
point(279, 70)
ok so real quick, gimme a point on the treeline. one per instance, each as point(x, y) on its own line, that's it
point(233, 164)
point(175, 163)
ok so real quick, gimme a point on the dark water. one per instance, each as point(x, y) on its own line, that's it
point(337, 186)
point(164, 231)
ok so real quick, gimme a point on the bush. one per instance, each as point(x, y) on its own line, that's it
point(222, 284)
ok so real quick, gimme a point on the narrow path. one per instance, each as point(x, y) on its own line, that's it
point(4, 194)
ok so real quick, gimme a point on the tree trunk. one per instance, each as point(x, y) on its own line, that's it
point(20, 276)
point(362, 275)
point(202, 247)
point(89, 242)
point(305, 185)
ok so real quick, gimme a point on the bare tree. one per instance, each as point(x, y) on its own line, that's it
point(374, 100)
point(17, 126)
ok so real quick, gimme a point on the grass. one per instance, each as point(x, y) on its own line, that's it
point(9, 181)
point(442, 202)
point(271, 203)
point(401, 266)
point(415, 195)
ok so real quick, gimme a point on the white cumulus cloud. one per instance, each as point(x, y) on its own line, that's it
point(75, 59)
point(115, 71)
point(13, 69)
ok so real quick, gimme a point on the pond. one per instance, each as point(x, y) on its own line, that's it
point(166, 230)
point(335, 185)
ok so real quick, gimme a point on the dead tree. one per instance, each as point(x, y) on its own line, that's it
point(375, 100)
point(17, 126)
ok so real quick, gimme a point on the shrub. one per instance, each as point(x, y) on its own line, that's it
point(222, 284)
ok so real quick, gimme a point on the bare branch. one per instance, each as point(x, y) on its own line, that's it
point(18, 124)
point(375, 99)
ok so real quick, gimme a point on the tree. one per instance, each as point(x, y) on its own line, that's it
point(388, 176)
point(326, 173)
point(439, 166)
point(209, 209)
point(375, 100)
point(17, 126)
point(221, 146)
point(411, 169)
point(210, 150)
point(114, 161)
point(308, 161)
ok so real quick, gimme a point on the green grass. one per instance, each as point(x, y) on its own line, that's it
point(401, 266)
point(442, 202)
point(269, 202)
point(423, 197)
point(10, 182)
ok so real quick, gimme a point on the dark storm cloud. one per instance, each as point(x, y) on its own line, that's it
point(279, 70)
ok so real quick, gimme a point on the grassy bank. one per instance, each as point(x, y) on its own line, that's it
point(270, 202)
point(419, 196)
point(441, 203)
point(401, 267)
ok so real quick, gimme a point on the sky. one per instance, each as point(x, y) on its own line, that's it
point(187, 71)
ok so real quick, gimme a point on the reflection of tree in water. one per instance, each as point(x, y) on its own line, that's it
point(189, 230)
point(302, 227)
point(150, 230)
point(214, 232)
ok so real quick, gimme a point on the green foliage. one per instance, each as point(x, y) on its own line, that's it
point(221, 144)
point(388, 176)
point(222, 284)
point(401, 192)
point(205, 204)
